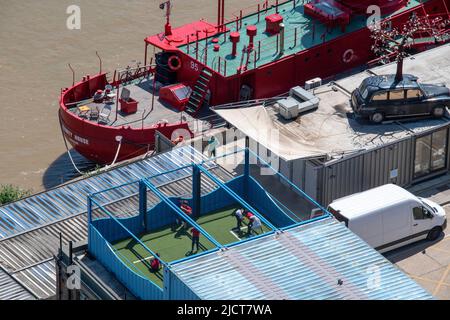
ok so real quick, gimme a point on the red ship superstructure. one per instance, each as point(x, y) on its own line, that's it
point(262, 51)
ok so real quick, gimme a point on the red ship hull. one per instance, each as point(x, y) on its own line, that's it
point(98, 142)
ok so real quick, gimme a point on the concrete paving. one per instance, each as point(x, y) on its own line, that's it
point(428, 262)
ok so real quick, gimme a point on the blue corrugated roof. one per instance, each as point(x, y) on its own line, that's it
point(318, 260)
point(71, 199)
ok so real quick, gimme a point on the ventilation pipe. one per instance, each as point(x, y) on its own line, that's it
point(281, 38)
point(251, 33)
point(234, 38)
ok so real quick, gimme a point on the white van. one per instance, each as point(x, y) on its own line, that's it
point(389, 217)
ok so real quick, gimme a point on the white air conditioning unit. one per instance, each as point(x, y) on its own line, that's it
point(298, 101)
point(288, 108)
point(313, 83)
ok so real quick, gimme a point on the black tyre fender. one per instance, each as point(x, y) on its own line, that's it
point(434, 233)
point(438, 111)
point(375, 117)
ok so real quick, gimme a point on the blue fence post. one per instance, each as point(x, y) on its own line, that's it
point(246, 167)
point(143, 203)
point(167, 283)
point(196, 190)
point(238, 198)
point(89, 217)
point(178, 211)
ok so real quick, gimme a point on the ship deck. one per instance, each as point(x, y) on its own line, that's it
point(141, 90)
point(308, 30)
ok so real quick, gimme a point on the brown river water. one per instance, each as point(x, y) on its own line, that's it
point(35, 47)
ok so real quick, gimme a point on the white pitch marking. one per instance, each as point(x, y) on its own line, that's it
point(234, 234)
point(138, 261)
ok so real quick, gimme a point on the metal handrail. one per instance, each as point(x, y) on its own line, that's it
point(250, 103)
point(132, 73)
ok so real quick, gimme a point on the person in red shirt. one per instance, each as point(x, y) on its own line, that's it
point(178, 140)
point(186, 209)
point(155, 264)
point(195, 238)
point(249, 215)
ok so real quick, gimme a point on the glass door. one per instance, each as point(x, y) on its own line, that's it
point(422, 156)
point(431, 153)
point(439, 150)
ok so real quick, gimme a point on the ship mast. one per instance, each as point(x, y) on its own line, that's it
point(167, 28)
point(220, 15)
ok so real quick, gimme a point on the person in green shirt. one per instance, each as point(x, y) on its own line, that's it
point(212, 145)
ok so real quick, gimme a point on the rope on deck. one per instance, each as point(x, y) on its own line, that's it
point(67, 147)
point(70, 155)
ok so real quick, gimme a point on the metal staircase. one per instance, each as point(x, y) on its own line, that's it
point(198, 95)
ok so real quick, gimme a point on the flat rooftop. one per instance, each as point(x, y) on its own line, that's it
point(301, 32)
point(333, 130)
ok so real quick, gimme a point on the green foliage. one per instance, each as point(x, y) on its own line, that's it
point(93, 172)
point(9, 193)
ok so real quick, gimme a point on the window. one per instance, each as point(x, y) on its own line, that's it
point(364, 93)
point(413, 94)
point(438, 149)
point(431, 153)
point(380, 96)
point(183, 93)
point(362, 86)
point(363, 90)
point(339, 217)
point(421, 213)
point(397, 94)
point(422, 156)
point(418, 213)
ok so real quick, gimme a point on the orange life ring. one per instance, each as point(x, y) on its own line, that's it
point(348, 55)
point(174, 63)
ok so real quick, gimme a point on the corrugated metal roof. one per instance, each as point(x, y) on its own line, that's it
point(10, 289)
point(38, 245)
point(70, 199)
point(318, 260)
point(40, 279)
point(25, 251)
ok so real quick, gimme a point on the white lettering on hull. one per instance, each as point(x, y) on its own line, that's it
point(73, 138)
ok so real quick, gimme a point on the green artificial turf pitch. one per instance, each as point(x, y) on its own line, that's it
point(176, 244)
